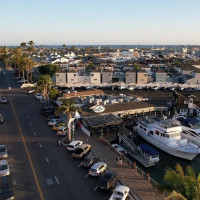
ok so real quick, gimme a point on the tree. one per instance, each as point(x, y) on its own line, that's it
point(23, 45)
point(54, 93)
point(136, 66)
point(5, 57)
point(48, 69)
point(68, 107)
point(180, 184)
point(44, 84)
point(31, 45)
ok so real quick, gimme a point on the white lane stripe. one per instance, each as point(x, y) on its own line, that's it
point(35, 133)
point(27, 116)
point(56, 180)
point(47, 160)
point(40, 145)
point(86, 175)
point(30, 124)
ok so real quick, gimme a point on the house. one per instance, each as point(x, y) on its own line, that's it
point(160, 76)
point(130, 77)
point(61, 78)
point(142, 76)
point(106, 77)
point(72, 77)
point(95, 77)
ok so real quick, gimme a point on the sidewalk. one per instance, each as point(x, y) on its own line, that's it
point(139, 187)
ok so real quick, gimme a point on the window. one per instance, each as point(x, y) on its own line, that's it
point(57, 75)
point(157, 132)
point(127, 74)
point(95, 79)
point(92, 74)
point(74, 75)
point(151, 132)
point(109, 74)
point(72, 79)
point(145, 129)
point(142, 79)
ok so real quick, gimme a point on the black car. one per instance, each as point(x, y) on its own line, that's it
point(46, 111)
point(108, 180)
point(89, 160)
point(6, 189)
point(50, 117)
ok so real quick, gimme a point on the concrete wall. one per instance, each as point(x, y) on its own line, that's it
point(95, 78)
point(130, 77)
point(107, 77)
point(142, 77)
point(160, 77)
point(61, 78)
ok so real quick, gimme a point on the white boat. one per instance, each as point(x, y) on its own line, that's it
point(166, 135)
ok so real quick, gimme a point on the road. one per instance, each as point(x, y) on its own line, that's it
point(39, 168)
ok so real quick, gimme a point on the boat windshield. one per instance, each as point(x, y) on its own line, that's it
point(195, 126)
point(172, 135)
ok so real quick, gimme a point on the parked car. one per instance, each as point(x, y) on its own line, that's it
point(73, 145)
point(50, 117)
point(82, 150)
point(122, 87)
point(58, 126)
point(119, 149)
point(1, 119)
point(108, 180)
point(6, 189)
point(121, 192)
point(3, 151)
point(30, 91)
point(53, 122)
point(62, 131)
point(130, 88)
point(97, 169)
point(4, 100)
point(89, 160)
point(38, 96)
point(4, 168)
point(46, 111)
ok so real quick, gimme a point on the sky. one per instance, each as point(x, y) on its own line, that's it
point(100, 22)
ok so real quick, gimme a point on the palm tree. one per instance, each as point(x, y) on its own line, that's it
point(44, 84)
point(31, 45)
point(5, 56)
point(180, 184)
point(68, 107)
point(23, 45)
point(175, 196)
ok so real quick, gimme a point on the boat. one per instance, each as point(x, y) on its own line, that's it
point(166, 135)
point(149, 153)
point(99, 109)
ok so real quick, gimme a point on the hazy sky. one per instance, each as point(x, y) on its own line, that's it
point(100, 21)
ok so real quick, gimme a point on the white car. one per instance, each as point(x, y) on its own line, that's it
point(72, 145)
point(122, 87)
point(4, 100)
point(97, 169)
point(38, 96)
point(30, 91)
point(121, 192)
point(62, 131)
point(53, 122)
point(130, 88)
point(119, 149)
point(3, 151)
point(4, 168)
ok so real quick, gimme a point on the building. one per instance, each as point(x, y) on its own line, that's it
point(130, 77)
point(61, 78)
point(160, 76)
point(107, 77)
point(95, 77)
point(142, 77)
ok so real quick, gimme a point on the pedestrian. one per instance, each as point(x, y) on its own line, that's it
point(120, 160)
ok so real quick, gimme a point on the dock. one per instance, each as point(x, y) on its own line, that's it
point(133, 151)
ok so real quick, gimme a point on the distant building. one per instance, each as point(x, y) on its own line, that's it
point(130, 77)
point(107, 77)
point(142, 77)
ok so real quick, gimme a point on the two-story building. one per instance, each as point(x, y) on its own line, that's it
point(142, 77)
point(106, 77)
point(130, 77)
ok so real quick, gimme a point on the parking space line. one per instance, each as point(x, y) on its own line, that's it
point(56, 180)
point(40, 145)
point(30, 124)
point(96, 188)
point(86, 175)
point(27, 116)
point(35, 133)
point(47, 160)
point(79, 165)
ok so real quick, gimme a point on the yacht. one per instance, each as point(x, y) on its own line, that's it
point(166, 135)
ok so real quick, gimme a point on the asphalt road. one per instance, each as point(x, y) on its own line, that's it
point(39, 168)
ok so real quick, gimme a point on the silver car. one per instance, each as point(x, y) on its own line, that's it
point(4, 168)
point(3, 152)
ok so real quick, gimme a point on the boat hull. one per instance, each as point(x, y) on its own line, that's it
point(167, 149)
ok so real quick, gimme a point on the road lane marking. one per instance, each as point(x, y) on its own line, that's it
point(86, 175)
point(40, 145)
point(28, 154)
point(47, 160)
point(96, 188)
point(27, 116)
point(79, 165)
point(56, 180)
point(35, 133)
point(30, 124)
